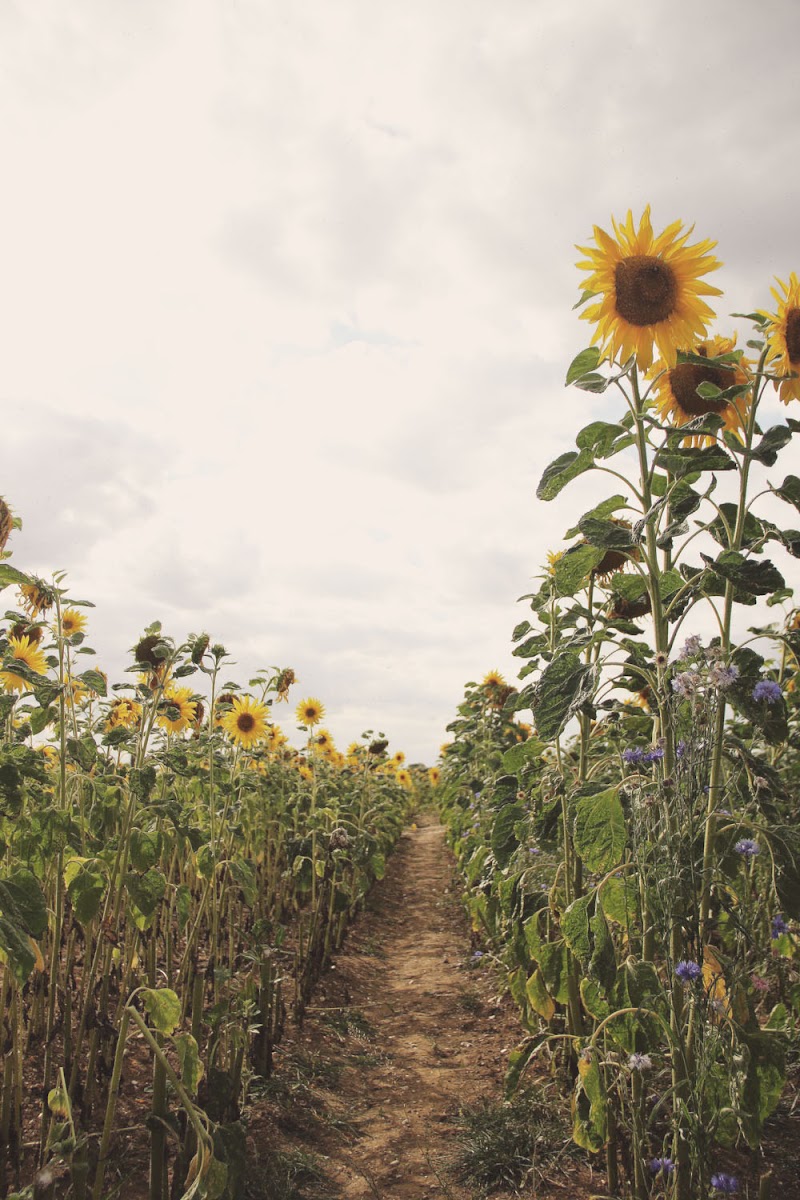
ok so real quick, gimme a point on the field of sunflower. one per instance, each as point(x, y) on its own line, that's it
point(633, 862)
point(173, 877)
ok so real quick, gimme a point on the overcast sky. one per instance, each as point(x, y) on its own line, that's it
point(286, 304)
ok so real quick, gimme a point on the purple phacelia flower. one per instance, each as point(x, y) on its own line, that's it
point(688, 971)
point(685, 684)
point(665, 1165)
point(728, 1184)
point(640, 1062)
point(779, 926)
point(633, 755)
point(768, 690)
point(690, 647)
point(723, 677)
point(652, 756)
point(747, 848)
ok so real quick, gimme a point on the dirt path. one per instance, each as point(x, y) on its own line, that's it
point(404, 1029)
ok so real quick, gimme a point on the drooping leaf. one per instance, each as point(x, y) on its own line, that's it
point(163, 1008)
point(561, 471)
point(600, 835)
point(565, 685)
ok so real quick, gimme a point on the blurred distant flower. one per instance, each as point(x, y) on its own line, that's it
point(779, 926)
point(728, 1184)
point(767, 689)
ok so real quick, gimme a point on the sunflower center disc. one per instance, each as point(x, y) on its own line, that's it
point(793, 336)
point(245, 723)
point(686, 378)
point(646, 289)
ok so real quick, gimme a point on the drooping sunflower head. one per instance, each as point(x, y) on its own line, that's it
point(650, 289)
point(783, 337)
point(32, 632)
point(36, 597)
point(22, 650)
point(676, 387)
point(246, 723)
point(629, 610)
point(310, 712)
point(615, 560)
point(176, 710)
point(6, 523)
point(285, 680)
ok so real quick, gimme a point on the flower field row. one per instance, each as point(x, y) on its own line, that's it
point(633, 862)
point(173, 876)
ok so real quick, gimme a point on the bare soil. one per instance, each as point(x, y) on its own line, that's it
point(404, 1029)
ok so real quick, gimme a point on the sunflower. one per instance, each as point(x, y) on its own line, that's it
point(36, 597)
point(310, 712)
point(124, 713)
point(323, 741)
point(676, 388)
point(177, 709)
point(246, 723)
point(553, 557)
point(22, 650)
point(76, 692)
point(434, 775)
point(493, 679)
point(398, 758)
point(404, 779)
point(783, 335)
point(72, 622)
point(650, 289)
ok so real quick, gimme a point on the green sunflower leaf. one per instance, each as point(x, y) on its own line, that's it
point(582, 364)
point(561, 471)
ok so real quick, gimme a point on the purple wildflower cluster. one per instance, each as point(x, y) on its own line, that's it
point(688, 971)
point(768, 690)
point(691, 647)
point(634, 756)
point(662, 1165)
point(728, 1184)
point(779, 926)
point(723, 677)
point(747, 848)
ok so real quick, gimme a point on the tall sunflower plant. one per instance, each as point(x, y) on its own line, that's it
point(652, 933)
